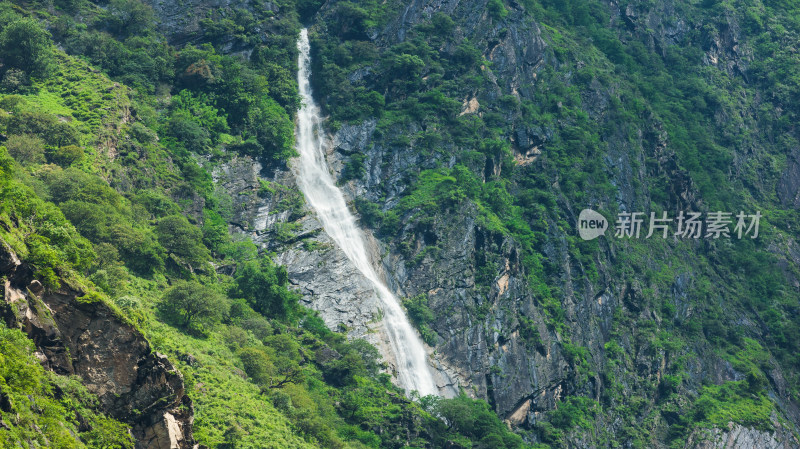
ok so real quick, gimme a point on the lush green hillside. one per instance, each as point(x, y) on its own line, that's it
point(105, 184)
point(116, 117)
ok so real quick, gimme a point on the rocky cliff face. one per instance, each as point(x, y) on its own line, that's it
point(481, 329)
point(78, 336)
point(276, 219)
point(739, 437)
point(469, 350)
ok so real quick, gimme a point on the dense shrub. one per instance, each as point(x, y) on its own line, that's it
point(64, 156)
point(183, 240)
point(128, 17)
point(44, 126)
point(422, 316)
point(26, 45)
point(496, 9)
point(264, 285)
point(475, 420)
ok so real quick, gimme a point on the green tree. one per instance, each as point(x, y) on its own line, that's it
point(257, 365)
point(26, 149)
point(130, 17)
point(284, 351)
point(474, 419)
point(182, 239)
point(190, 305)
point(197, 106)
point(186, 130)
point(215, 230)
point(496, 9)
point(233, 437)
point(156, 203)
point(26, 45)
point(352, 20)
point(263, 285)
point(108, 271)
point(273, 129)
point(44, 126)
point(138, 248)
point(422, 316)
point(14, 80)
point(64, 156)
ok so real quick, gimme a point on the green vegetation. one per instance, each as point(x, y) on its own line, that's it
point(422, 316)
point(575, 411)
point(191, 305)
point(742, 402)
point(26, 47)
point(497, 10)
point(475, 420)
point(263, 284)
point(112, 133)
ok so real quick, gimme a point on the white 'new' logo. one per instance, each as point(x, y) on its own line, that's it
point(591, 224)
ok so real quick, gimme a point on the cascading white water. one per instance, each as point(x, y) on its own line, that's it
point(316, 183)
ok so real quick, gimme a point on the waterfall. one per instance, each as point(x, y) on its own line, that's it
point(321, 193)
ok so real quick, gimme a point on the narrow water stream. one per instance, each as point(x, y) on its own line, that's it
point(322, 194)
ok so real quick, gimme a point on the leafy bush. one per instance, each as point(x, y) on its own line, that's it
point(64, 156)
point(14, 80)
point(422, 316)
point(497, 10)
point(354, 168)
point(52, 243)
point(42, 125)
point(155, 203)
point(215, 230)
point(273, 129)
point(574, 411)
point(473, 419)
point(257, 365)
point(183, 127)
point(353, 21)
point(130, 17)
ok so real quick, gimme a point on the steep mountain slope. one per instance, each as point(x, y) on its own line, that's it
point(150, 149)
point(471, 134)
point(153, 326)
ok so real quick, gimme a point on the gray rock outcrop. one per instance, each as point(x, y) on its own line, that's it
point(736, 436)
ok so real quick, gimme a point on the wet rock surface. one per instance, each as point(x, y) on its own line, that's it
point(789, 184)
point(329, 282)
